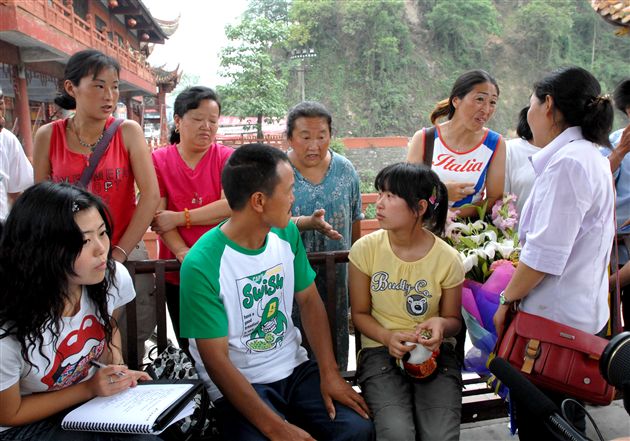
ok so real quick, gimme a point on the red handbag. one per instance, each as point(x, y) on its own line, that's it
point(557, 357)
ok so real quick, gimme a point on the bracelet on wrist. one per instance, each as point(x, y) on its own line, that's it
point(116, 247)
point(187, 218)
point(503, 300)
point(297, 221)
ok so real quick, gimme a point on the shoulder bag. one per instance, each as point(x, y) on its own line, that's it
point(556, 357)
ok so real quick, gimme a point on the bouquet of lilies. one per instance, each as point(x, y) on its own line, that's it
point(489, 249)
point(487, 240)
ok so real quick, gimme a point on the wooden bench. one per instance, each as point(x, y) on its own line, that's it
point(478, 401)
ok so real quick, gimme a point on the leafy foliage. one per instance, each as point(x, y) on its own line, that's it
point(462, 29)
point(381, 65)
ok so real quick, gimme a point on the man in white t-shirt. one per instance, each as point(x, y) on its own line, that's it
point(519, 173)
point(237, 288)
point(16, 173)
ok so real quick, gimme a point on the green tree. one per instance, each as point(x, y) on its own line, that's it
point(542, 29)
point(462, 28)
point(257, 84)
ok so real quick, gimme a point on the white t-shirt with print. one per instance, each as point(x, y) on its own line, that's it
point(247, 296)
point(81, 339)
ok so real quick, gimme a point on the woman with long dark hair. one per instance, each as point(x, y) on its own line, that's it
point(567, 224)
point(61, 294)
point(468, 157)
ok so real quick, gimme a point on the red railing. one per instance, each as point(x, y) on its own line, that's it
point(61, 17)
point(237, 140)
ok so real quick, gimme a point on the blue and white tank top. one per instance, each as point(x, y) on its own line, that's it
point(469, 166)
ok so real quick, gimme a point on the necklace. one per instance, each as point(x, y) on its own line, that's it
point(89, 146)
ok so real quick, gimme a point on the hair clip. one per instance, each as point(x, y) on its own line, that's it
point(433, 197)
point(75, 207)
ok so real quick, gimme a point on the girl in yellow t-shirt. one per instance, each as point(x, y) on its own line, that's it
point(405, 290)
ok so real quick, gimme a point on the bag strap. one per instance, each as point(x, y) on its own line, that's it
point(615, 297)
point(429, 142)
point(98, 152)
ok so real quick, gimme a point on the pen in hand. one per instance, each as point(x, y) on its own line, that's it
point(99, 365)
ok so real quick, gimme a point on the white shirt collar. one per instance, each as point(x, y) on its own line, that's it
point(540, 159)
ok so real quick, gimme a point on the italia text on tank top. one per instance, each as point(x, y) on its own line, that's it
point(469, 166)
point(112, 180)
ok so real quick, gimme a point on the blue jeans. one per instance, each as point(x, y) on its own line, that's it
point(405, 410)
point(50, 430)
point(298, 399)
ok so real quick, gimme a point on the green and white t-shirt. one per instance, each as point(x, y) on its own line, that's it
point(246, 295)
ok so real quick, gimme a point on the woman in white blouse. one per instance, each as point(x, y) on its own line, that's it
point(567, 226)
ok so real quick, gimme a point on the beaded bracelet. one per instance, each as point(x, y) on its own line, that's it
point(187, 218)
point(122, 251)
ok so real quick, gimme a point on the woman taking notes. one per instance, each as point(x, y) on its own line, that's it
point(61, 294)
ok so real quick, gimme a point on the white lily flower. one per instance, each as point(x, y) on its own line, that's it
point(469, 261)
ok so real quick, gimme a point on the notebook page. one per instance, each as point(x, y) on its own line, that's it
point(139, 405)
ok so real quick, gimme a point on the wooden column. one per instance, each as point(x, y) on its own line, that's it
point(23, 109)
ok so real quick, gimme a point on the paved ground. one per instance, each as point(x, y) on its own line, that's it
point(613, 422)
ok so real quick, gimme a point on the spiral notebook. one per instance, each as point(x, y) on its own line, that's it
point(148, 408)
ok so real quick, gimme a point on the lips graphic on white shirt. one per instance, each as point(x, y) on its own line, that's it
point(72, 360)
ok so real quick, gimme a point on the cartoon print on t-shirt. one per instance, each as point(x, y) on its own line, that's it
point(417, 296)
point(263, 309)
point(74, 352)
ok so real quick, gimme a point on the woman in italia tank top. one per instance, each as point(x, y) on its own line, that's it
point(468, 157)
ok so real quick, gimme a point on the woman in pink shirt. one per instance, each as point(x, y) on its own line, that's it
point(189, 176)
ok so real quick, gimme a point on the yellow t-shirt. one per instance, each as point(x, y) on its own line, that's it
point(404, 294)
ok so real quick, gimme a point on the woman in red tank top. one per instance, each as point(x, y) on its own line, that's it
point(62, 151)
point(63, 148)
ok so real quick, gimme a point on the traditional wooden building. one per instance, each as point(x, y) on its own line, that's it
point(615, 12)
point(37, 37)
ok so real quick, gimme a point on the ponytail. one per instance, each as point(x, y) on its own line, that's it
point(597, 120)
point(174, 136)
point(442, 108)
point(576, 96)
point(65, 101)
point(437, 208)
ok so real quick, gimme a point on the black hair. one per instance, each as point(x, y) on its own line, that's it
point(522, 128)
point(576, 95)
point(190, 99)
point(80, 65)
point(307, 109)
point(251, 168)
point(413, 183)
point(621, 95)
point(39, 244)
point(462, 86)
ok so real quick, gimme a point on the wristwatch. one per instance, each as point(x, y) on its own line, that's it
point(503, 300)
